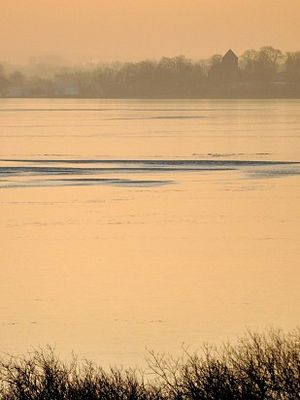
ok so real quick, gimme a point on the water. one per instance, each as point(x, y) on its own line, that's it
point(128, 225)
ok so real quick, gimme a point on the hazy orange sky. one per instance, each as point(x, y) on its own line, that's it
point(135, 29)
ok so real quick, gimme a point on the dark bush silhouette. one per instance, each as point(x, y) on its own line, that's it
point(258, 367)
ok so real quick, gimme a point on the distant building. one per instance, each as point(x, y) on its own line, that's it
point(230, 65)
point(226, 69)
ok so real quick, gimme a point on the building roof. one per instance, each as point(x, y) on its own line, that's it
point(230, 54)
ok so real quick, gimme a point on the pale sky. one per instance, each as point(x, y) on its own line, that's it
point(108, 30)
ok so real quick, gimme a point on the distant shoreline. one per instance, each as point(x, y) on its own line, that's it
point(153, 98)
point(263, 73)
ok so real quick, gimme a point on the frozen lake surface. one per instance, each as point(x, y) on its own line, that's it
point(129, 224)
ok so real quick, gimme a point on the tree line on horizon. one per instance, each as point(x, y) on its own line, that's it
point(266, 72)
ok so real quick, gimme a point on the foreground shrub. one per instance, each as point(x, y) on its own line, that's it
point(257, 367)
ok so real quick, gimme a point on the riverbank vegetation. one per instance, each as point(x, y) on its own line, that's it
point(258, 366)
point(267, 72)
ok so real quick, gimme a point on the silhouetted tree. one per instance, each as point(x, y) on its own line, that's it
point(292, 66)
point(215, 68)
point(261, 65)
point(3, 81)
point(16, 78)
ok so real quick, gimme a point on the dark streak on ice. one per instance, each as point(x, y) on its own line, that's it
point(65, 169)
